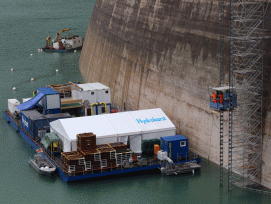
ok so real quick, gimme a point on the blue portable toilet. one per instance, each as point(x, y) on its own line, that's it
point(176, 146)
point(220, 98)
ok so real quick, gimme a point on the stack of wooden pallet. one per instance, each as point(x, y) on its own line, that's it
point(86, 141)
point(118, 146)
point(108, 155)
point(90, 156)
point(86, 145)
point(73, 161)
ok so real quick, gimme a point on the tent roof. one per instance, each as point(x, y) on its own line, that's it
point(123, 124)
point(116, 124)
point(99, 125)
point(152, 120)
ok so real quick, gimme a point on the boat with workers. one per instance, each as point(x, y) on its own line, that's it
point(83, 136)
point(62, 43)
point(42, 164)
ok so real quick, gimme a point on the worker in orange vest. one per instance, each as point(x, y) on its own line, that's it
point(220, 97)
point(213, 96)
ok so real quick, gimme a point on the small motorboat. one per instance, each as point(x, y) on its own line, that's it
point(41, 164)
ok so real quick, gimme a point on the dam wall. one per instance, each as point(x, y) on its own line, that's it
point(165, 53)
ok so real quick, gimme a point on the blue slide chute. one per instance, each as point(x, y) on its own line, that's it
point(31, 103)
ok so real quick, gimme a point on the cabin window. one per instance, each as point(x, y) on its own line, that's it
point(183, 143)
point(92, 93)
point(106, 91)
point(41, 132)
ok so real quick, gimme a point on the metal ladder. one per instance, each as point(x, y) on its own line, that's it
point(97, 157)
point(112, 154)
point(119, 159)
point(71, 168)
point(221, 64)
point(87, 165)
point(128, 155)
point(103, 163)
point(81, 161)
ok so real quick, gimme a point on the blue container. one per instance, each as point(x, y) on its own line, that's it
point(26, 119)
point(176, 146)
point(41, 124)
point(37, 124)
point(51, 102)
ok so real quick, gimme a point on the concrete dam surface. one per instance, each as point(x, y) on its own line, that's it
point(165, 54)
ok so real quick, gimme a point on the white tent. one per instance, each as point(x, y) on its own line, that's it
point(134, 126)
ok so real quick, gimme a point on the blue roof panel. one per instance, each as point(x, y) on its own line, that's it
point(174, 138)
point(47, 91)
point(31, 103)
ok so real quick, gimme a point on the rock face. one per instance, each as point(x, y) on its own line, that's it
point(165, 53)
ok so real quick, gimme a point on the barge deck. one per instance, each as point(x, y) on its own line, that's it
point(67, 176)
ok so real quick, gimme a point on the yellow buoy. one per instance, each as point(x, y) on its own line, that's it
point(32, 79)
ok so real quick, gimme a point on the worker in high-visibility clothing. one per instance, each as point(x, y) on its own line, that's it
point(213, 96)
point(220, 97)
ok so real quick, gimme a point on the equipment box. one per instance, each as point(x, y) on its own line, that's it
point(176, 146)
point(86, 141)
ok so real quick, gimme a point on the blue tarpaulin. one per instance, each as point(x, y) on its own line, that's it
point(31, 103)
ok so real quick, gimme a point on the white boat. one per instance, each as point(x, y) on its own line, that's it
point(175, 169)
point(41, 164)
point(63, 44)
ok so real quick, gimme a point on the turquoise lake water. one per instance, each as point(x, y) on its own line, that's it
point(24, 27)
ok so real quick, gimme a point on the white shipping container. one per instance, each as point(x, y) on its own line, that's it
point(102, 92)
point(12, 105)
point(93, 92)
point(87, 93)
point(76, 42)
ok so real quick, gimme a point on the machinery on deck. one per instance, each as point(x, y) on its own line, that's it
point(63, 44)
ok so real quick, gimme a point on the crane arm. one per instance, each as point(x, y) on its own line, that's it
point(61, 32)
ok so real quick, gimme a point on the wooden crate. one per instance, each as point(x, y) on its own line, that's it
point(100, 146)
point(111, 163)
point(86, 141)
point(105, 152)
point(89, 154)
point(71, 158)
point(118, 146)
point(96, 165)
point(123, 150)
